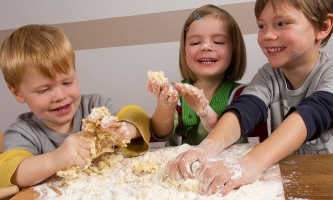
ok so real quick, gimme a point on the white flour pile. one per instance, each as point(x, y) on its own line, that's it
point(145, 177)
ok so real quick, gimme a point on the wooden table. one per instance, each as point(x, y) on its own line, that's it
point(303, 176)
point(308, 176)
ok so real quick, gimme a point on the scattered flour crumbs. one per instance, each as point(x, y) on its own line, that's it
point(119, 177)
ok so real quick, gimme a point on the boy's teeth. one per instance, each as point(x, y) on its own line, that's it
point(62, 108)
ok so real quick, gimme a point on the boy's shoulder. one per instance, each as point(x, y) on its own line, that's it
point(26, 117)
point(24, 120)
point(326, 57)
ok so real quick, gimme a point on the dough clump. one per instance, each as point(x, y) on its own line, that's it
point(99, 122)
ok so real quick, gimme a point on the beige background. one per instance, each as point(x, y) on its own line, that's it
point(116, 42)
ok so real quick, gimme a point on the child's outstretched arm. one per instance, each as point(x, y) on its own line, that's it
point(195, 98)
point(32, 170)
point(220, 177)
point(162, 121)
point(73, 152)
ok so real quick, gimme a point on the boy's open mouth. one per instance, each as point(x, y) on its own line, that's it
point(65, 107)
point(275, 50)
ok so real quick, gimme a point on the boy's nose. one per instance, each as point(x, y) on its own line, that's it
point(59, 95)
point(269, 35)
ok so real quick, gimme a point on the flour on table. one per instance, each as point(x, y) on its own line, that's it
point(117, 176)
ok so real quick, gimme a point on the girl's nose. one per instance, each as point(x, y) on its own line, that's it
point(206, 46)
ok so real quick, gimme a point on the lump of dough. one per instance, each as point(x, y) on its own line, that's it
point(101, 142)
point(159, 77)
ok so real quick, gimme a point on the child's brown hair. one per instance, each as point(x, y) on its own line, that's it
point(315, 10)
point(235, 71)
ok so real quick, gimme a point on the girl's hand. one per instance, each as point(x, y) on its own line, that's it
point(196, 99)
point(224, 176)
point(164, 93)
point(186, 164)
point(73, 151)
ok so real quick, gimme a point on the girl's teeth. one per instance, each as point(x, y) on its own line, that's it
point(207, 61)
point(274, 50)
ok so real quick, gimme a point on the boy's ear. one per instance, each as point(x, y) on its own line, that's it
point(17, 95)
point(327, 27)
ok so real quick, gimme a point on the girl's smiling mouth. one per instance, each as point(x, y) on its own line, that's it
point(207, 60)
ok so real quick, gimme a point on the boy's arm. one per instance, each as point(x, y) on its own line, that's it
point(225, 133)
point(304, 122)
point(22, 168)
point(33, 170)
point(138, 117)
point(27, 170)
point(287, 138)
point(9, 161)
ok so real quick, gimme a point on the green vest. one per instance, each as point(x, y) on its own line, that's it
point(193, 131)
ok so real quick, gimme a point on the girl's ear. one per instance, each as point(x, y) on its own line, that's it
point(327, 27)
point(17, 94)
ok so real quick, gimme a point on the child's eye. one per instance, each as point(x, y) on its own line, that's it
point(261, 26)
point(282, 24)
point(67, 83)
point(194, 43)
point(219, 42)
point(42, 91)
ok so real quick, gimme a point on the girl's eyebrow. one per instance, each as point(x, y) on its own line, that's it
point(215, 35)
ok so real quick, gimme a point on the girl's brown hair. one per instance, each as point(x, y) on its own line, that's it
point(238, 62)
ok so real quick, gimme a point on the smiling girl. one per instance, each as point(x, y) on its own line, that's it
point(212, 58)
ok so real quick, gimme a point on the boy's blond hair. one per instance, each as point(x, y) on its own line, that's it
point(238, 61)
point(315, 10)
point(44, 48)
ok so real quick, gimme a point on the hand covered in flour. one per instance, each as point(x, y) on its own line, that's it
point(228, 174)
point(118, 130)
point(187, 164)
point(74, 151)
point(196, 99)
point(161, 88)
